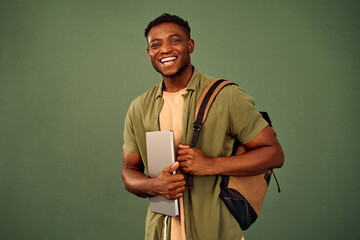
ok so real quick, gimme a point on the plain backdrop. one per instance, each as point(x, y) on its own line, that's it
point(69, 70)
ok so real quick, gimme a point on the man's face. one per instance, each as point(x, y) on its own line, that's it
point(169, 49)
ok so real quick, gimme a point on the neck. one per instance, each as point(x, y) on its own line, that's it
point(179, 81)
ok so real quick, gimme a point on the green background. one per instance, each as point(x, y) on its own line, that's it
point(69, 70)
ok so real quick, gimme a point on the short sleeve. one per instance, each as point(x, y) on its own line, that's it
point(130, 143)
point(246, 120)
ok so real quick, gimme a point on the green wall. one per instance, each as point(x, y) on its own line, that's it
point(69, 70)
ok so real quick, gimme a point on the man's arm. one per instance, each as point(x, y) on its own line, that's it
point(263, 153)
point(135, 181)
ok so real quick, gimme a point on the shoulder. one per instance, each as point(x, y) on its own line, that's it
point(228, 94)
point(205, 78)
point(233, 92)
point(199, 81)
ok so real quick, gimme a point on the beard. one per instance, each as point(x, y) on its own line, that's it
point(178, 72)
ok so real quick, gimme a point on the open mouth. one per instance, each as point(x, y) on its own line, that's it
point(168, 60)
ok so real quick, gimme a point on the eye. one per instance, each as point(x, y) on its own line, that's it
point(175, 41)
point(155, 45)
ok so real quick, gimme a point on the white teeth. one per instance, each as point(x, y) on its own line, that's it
point(167, 59)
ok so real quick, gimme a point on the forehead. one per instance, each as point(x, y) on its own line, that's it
point(165, 30)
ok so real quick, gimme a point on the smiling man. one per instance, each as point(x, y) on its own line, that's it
point(170, 105)
point(169, 49)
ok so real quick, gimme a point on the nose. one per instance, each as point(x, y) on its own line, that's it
point(165, 48)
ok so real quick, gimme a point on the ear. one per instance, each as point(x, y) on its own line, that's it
point(191, 45)
point(148, 52)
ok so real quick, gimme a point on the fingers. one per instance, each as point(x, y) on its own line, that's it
point(175, 194)
point(186, 167)
point(172, 168)
point(177, 177)
point(171, 185)
point(178, 186)
point(185, 153)
point(185, 164)
point(174, 190)
point(183, 149)
point(183, 158)
point(179, 195)
point(183, 146)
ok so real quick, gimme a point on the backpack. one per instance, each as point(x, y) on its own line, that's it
point(243, 196)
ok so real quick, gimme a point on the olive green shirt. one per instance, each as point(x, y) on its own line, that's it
point(232, 115)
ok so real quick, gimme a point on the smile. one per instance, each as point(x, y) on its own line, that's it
point(168, 60)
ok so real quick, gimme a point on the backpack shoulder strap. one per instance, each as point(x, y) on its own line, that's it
point(204, 103)
point(202, 108)
point(208, 96)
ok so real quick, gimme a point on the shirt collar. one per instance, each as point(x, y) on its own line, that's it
point(159, 90)
point(192, 85)
point(194, 80)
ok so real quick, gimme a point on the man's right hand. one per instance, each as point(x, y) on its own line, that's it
point(167, 184)
point(170, 186)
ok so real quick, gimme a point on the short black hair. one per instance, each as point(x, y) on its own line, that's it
point(168, 18)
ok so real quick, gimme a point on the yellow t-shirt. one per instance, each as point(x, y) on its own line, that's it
point(171, 119)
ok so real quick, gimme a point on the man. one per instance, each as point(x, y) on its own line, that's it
point(170, 105)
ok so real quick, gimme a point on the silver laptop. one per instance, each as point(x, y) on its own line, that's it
point(161, 154)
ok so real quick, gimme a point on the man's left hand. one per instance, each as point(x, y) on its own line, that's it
point(194, 161)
